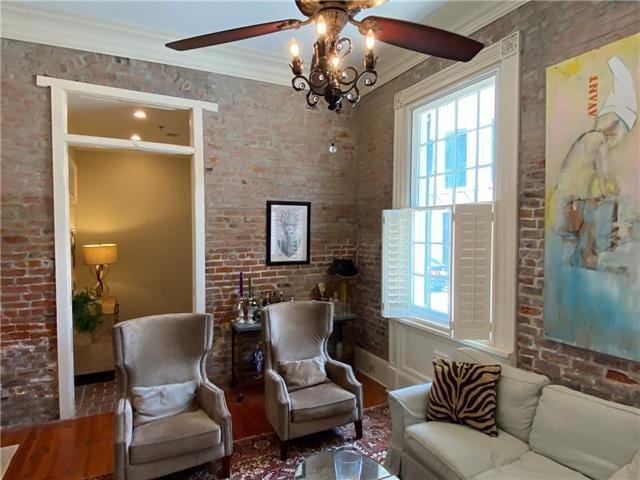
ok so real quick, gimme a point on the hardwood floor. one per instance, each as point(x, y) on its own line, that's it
point(83, 447)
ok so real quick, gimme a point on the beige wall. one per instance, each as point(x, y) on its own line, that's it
point(141, 202)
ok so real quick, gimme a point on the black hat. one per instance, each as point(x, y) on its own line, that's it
point(343, 267)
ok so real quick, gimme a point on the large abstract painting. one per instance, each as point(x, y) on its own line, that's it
point(592, 216)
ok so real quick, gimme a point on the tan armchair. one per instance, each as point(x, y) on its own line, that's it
point(298, 331)
point(162, 350)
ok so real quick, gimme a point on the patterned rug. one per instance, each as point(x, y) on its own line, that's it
point(258, 458)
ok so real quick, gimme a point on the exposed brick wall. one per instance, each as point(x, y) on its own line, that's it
point(263, 144)
point(551, 32)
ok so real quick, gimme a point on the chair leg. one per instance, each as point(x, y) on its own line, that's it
point(226, 466)
point(284, 446)
point(358, 425)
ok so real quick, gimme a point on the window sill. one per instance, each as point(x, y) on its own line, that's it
point(444, 332)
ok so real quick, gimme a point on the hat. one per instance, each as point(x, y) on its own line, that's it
point(343, 268)
point(622, 99)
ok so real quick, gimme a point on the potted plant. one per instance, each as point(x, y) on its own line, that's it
point(86, 311)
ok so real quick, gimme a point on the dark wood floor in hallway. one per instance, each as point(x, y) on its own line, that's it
point(83, 447)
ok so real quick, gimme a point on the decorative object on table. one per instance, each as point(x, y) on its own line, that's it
point(592, 219)
point(257, 359)
point(87, 310)
point(240, 302)
point(322, 291)
point(345, 269)
point(464, 393)
point(347, 463)
point(100, 257)
point(328, 78)
point(252, 305)
point(288, 232)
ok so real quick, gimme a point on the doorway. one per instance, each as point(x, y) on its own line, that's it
point(115, 137)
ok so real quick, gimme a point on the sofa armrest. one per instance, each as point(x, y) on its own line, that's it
point(211, 399)
point(342, 375)
point(123, 435)
point(408, 406)
point(277, 402)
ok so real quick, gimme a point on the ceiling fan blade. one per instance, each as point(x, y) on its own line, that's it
point(233, 35)
point(422, 38)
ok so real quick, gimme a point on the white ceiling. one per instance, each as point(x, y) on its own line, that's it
point(190, 18)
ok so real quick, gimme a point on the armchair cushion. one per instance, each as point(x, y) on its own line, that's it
point(172, 436)
point(152, 403)
point(320, 401)
point(303, 373)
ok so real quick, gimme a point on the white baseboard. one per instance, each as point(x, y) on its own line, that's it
point(372, 366)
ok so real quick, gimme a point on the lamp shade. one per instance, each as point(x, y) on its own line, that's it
point(100, 254)
point(343, 268)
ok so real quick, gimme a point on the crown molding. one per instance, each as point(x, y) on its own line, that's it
point(453, 16)
point(30, 23)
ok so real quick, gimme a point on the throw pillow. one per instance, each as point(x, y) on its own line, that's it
point(300, 374)
point(464, 393)
point(152, 403)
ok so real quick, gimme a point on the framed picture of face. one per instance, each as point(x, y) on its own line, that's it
point(288, 228)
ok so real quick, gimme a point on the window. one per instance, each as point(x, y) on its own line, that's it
point(452, 151)
point(455, 201)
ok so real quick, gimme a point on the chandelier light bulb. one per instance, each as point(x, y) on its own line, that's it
point(140, 114)
point(321, 26)
point(335, 61)
point(370, 41)
point(294, 48)
point(135, 137)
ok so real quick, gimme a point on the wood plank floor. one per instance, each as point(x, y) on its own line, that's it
point(83, 447)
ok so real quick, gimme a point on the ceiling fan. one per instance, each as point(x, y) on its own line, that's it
point(327, 77)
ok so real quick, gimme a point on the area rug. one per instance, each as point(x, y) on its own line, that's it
point(257, 458)
point(6, 454)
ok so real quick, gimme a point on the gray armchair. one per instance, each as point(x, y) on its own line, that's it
point(299, 331)
point(161, 350)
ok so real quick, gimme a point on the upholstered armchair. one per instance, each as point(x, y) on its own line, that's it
point(295, 331)
point(160, 352)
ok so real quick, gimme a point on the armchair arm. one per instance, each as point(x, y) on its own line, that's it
point(277, 402)
point(342, 375)
point(123, 434)
point(408, 406)
point(211, 399)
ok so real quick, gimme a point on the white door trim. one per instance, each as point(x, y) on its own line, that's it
point(61, 141)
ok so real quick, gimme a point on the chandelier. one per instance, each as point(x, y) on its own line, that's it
point(328, 77)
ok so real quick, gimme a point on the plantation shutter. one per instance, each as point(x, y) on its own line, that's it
point(396, 231)
point(472, 255)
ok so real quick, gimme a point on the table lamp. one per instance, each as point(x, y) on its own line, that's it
point(345, 269)
point(100, 256)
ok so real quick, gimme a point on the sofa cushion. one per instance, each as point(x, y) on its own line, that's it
point(450, 450)
point(531, 466)
point(631, 471)
point(585, 433)
point(152, 403)
point(518, 393)
point(465, 393)
point(320, 401)
point(300, 374)
point(171, 436)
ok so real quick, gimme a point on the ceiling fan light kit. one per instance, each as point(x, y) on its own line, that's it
point(328, 78)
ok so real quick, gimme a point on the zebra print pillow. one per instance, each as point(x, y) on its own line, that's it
point(464, 393)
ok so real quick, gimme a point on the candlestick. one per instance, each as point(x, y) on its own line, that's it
point(241, 285)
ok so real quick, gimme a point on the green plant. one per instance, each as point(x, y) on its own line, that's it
point(86, 311)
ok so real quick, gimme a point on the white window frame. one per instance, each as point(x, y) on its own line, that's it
point(503, 57)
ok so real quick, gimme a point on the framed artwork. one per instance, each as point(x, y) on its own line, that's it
point(592, 207)
point(288, 232)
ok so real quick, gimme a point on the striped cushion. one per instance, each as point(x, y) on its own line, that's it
point(464, 393)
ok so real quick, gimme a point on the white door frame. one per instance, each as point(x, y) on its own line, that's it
point(61, 140)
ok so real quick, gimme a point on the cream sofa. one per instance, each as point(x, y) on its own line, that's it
point(546, 432)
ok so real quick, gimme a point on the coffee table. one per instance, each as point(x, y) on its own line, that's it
point(320, 467)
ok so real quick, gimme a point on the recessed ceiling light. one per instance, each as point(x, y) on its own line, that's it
point(135, 137)
point(140, 114)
